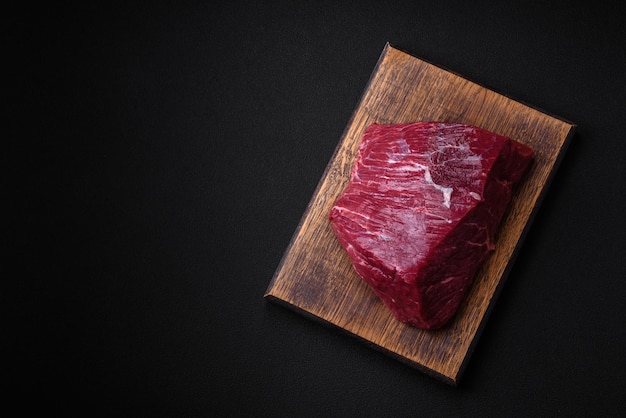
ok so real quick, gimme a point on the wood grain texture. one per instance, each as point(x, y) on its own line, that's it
point(315, 276)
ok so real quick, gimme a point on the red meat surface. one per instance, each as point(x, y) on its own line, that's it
point(419, 215)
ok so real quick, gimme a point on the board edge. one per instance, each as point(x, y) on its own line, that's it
point(485, 86)
point(449, 380)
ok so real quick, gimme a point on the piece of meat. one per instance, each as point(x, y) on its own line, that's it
point(419, 215)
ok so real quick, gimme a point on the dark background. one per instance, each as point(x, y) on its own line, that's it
point(159, 157)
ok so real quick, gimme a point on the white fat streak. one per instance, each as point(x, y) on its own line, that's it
point(443, 218)
point(446, 191)
point(343, 210)
point(403, 151)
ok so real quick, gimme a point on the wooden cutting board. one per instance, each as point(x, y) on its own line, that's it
point(315, 276)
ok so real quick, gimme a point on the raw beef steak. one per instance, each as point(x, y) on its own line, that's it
point(420, 213)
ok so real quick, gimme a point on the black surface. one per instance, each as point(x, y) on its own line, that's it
point(160, 157)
